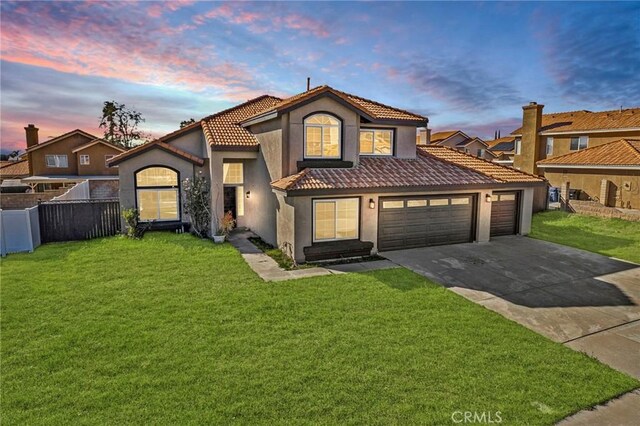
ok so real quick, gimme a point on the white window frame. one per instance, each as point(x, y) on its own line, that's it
point(238, 185)
point(517, 146)
point(480, 152)
point(374, 154)
point(152, 189)
point(85, 160)
point(581, 139)
point(549, 146)
point(334, 200)
point(56, 163)
point(322, 127)
point(107, 158)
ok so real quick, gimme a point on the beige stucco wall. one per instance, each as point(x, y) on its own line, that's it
point(369, 217)
point(192, 142)
point(97, 163)
point(286, 221)
point(590, 181)
point(562, 143)
point(37, 162)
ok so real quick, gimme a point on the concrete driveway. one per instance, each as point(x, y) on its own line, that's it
point(587, 301)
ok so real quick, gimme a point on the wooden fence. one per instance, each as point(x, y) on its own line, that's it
point(78, 219)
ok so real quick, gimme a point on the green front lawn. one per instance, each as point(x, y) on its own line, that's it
point(173, 330)
point(610, 237)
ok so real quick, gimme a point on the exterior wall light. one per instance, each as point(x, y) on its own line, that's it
point(248, 194)
point(487, 198)
point(372, 204)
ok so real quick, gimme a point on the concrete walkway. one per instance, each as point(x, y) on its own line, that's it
point(269, 270)
point(618, 412)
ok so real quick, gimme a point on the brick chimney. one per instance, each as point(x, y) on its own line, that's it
point(531, 149)
point(32, 135)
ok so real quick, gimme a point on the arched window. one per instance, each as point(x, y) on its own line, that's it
point(157, 194)
point(322, 136)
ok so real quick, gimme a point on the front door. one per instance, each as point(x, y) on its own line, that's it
point(230, 200)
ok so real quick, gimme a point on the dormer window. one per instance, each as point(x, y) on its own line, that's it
point(322, 137)
point(376, 142)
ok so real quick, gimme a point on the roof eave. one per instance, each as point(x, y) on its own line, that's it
point(589, 166)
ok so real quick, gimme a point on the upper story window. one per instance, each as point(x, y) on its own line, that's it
point(518, 146)
point(84, 160)
point(322, 136)
point(579, 142)
point(549, 150)
point(480, 152)
point(58, 161)
point(376, 142)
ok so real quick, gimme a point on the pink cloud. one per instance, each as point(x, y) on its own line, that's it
point(157, 9)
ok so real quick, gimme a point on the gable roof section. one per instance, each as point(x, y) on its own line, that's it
point(471, 140)
point(503, 147)
point(61, 137)
point(439, 137)
point(622, 153)
point(157, 144)
point(222, 130)
point(574, 121)
point(97, 141)
point(500, 173)
point(371, 110)
point(15, 169)
point(433, 167)
point(495, 142)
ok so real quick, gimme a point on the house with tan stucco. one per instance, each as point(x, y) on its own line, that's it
point(327, 174)
point(592, 154)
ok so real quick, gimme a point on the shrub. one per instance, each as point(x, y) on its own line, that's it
point(197, 205)
point(135, 229)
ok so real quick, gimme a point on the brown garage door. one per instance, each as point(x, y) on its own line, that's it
point(419, 221)
point(504, 213)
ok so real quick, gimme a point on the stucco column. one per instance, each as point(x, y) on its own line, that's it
point(484, 217)
point(564, 195)
point(604, 192)
point(526, 211)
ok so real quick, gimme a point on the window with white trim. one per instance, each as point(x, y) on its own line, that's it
point(233, 175)
point(480, 152)
point(336, 219)
point(518, 146)
point(579, 142)
point(56, 161)
point(549, 149)
point(376, 142)
point(322, 136)
point(157, 194)
point(84, 160)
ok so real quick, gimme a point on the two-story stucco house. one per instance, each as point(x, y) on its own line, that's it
point(328, 174)
point(70, 158)
point(593, 152)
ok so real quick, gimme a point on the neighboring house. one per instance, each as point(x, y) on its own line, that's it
point(459, 140)
point(503, 149)
point(608, 173)
point(326, 174)
point(67, 159)
point(547, 136)
point(11, 173)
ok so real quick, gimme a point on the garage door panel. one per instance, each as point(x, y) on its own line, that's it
point(424, 221)
point(504, 213)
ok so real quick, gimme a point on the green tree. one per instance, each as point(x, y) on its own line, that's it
point(120, 124)
point(185, 123)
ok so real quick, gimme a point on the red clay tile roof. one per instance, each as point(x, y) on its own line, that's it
point(222, 130)
point(625, 152)
point(499, 172)
point(498, 141)
point(432, 167)
point(15, 169)
point(372, 109)
point(587, 120)
point(152, 145)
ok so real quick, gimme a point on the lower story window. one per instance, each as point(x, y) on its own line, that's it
point(336, 219)
point(158, 204)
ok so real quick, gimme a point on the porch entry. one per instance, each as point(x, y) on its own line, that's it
point(233, 184)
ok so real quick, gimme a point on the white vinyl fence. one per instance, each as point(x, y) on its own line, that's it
point(79, 191)
point(19, 230)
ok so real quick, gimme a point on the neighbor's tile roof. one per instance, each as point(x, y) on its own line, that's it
point(587, 120)
point(440, 136)
point(500, 173)
point(373, 109)
point(222, 130)
point(432, 167)
point(625, 152)
point(153, 145)
point(499, 141)
point(503, 147)
point(15, 169)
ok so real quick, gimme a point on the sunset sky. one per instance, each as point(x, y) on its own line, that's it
point(464, 65)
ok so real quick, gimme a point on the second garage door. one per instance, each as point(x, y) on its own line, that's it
point(504, 213)
point(409, 222)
